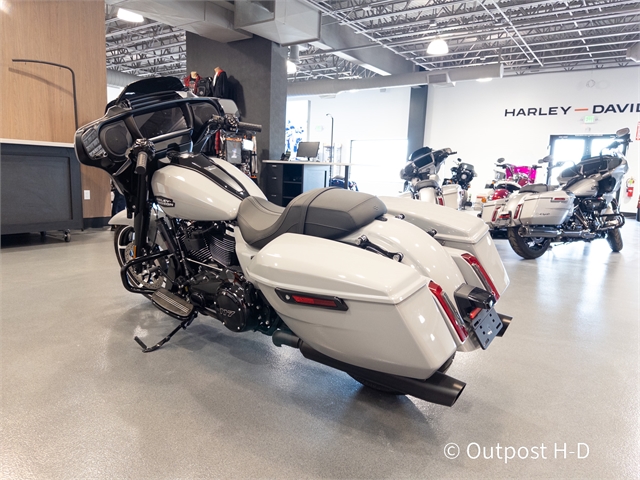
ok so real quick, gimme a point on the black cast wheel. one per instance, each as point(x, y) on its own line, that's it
point(527, 247)
point(614, 237)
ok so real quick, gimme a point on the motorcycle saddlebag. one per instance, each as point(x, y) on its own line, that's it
point(547, 208)
point(353, 305)
point(454, 229)
point(452, 194)
point(490, 210)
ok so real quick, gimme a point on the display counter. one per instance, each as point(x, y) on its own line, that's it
point(285, 180)
point(41, 188)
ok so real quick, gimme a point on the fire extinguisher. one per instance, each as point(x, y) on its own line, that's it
point(630, 182)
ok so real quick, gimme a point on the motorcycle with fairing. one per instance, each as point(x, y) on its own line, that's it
point(384, 289)
point(422, 181)
point(584, 208)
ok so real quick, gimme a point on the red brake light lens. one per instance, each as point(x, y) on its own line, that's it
point(495, 214)
point(482, 274)
point(449, 310)
point(518, 208)
point(440, 201)
point(320, 302)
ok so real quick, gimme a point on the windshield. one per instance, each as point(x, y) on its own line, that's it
point(158, 123)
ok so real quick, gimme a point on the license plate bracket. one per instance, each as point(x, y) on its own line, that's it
point(486, 325)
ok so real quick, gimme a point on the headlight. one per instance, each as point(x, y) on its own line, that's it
point(92, 145)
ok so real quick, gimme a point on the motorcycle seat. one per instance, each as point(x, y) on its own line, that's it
point(324, 212)
point(426, 184)
point(535, 188)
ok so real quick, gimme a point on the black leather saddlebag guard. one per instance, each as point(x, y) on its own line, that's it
point(323, 212)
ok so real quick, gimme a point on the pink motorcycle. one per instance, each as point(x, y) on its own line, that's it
point(511, 180)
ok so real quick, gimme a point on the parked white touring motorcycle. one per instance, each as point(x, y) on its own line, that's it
point(386, 290)
point(423, 183)
point(583, 208)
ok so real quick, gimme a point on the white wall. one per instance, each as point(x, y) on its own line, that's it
point(113, 92)
point(361, 115)
point(470, 117)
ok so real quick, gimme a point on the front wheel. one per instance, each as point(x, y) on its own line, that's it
point(527, 247)
point(151, 275)
point(614, 237)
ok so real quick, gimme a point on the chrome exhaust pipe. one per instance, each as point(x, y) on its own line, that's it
point(544, 232)
point(583, 234)
point(439, 388)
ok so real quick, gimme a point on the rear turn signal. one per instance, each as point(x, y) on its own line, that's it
point(482, 274)
point(449, 310)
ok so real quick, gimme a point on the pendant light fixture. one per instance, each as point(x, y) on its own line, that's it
point(438, 47)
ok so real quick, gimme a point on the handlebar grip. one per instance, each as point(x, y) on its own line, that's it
point(141, 163)
point(250, 126)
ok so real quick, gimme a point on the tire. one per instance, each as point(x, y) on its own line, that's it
point(528, 248)
point(614, 237)
point(123, 243)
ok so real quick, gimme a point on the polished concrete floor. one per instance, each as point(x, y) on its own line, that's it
point(80, 400)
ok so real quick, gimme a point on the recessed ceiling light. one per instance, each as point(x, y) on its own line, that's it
point(129, 16)
point(291, 67)
point(483, 80)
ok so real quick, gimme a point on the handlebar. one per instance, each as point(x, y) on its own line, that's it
point(229, 122)
point(141, 163)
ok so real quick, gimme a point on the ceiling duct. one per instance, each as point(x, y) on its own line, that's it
point(213, 20)
point(286, 22)
point(438, 77)
point(333, 87)
point(633, 53)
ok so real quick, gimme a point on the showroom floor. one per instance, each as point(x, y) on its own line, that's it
point(80, 400)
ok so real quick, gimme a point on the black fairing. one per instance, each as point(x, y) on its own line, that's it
point(421, 158)
point(174, 120)
point(207, 167)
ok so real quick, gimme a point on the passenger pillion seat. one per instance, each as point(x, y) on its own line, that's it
point(323, 212)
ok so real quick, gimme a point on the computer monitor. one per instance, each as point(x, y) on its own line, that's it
point(308, 149)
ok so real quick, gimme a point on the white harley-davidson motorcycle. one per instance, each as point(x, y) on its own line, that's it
point(583, 208)
point(384, 289)
point(423, 183)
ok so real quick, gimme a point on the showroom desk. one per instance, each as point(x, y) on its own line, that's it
point(285, 180)
point(41, 187)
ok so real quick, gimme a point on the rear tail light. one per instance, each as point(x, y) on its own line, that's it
point(495, 214)
point(450, 311)
point(482, 274)
point(440, 201)
point(505, 216)
point(322, 301)
point(518, 208)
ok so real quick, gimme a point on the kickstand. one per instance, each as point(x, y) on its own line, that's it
point(184, 324)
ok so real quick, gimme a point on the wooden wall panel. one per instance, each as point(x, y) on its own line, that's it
point(36, 101)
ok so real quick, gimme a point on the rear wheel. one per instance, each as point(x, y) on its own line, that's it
point(614, 237)
point(527, 247)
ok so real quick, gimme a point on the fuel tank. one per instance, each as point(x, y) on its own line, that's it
point(197, 187)
point(587, 187)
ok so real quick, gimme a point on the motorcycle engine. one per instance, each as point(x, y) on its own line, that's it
point(593, 204)
point(236, 307)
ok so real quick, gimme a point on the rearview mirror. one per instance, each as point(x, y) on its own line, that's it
point(500, 160)
point(622, 132)
point(547, 159)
